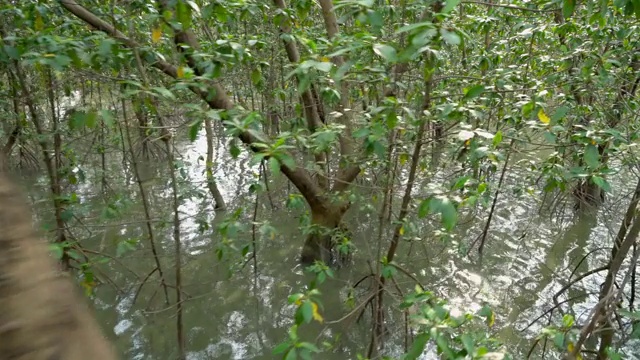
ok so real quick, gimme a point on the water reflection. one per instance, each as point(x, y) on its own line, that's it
point(235, 310)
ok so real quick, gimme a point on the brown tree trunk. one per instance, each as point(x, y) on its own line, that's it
point(17, 130)
point(13, 138)
point(319, 243)
point(41, 315)
point(600, 320)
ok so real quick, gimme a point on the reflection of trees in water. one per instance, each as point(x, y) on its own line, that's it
point(566, 259)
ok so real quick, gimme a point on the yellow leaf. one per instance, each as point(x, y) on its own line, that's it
point(180, 72)
point(325, 59)
point(156, 33)
point(543, 117)
point(298, 302)
point(39, 24)
point(593, 142)
point(316, 314)
point(403, 158)
point(468, 142)
point(88, 286)
point(491, 319)
point(401, 230)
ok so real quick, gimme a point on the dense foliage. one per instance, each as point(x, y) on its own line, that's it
point(418, 113)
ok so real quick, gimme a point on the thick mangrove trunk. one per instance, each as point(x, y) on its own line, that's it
point(319, 243)
point(41, 315)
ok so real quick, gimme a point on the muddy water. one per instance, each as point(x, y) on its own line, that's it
point(237, 309)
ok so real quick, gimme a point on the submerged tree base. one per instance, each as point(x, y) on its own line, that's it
point(588, 195)
point(328, 241)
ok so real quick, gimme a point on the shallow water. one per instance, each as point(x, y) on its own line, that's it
point(235, 310)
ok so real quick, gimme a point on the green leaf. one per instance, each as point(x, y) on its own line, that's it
point(321, 277)
point(527, 109)
point(376, 19)
point(305, 354)
point(292, 354)
point(560, 113)
point(183, 13)
point(164, 92)
point(107, 117)
point(631, 315)
point(443, 346)
point(91, 119)
point(450, 37)
point(59, 62)
point(473, 91)
point(427, 24)
point(379, 149)
point(66, 215)
point(450, 5)
point(234, 149)
point(323, 66)
point(307, 311)
point(443, 206)
point(287, 160)
point(468, 344)
point(256, 76)
point(342, 71)
point(601, 183)
point(591, 156)
point(497, 139)
point(418, 346)
point(386, 52)
point(12, 52)
point(281, 348)
point(613, 355)
point(425, 206)
point(362, 132)
point(309, 346)
point(124, 247)
point(274, 166)
point(388, 271)
point(193, 130)
point(294, 297)
point(567, 321)
point(104, 49)
point(449, 214)
point(459, 183)
point(558, 340)
point(304, 82)
point(567, 8)
point(57, 250)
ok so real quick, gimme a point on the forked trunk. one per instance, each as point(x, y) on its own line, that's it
point(319, 243)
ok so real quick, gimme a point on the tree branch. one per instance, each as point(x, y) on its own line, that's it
point(347, 174)
point(219, 100)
